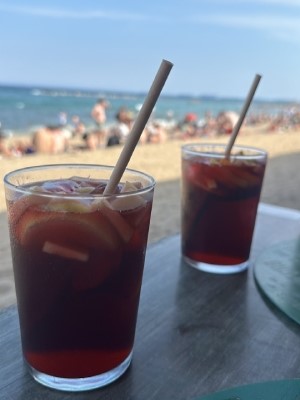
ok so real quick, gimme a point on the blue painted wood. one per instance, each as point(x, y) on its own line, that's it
point(277, 272)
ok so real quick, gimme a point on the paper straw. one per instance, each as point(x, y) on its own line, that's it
point(242, 115)
point(139, 125)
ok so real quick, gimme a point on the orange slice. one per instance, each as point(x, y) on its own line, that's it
point(247, 175)
point(18, 207)
point(89, 230)
point(96, 271)
point(117, 220)
point(225, 176)
point(88, 242)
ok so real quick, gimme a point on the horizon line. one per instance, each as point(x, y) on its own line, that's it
point(99, 92)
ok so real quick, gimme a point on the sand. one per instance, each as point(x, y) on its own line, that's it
point(281, 185)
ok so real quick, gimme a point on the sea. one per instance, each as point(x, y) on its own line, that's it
point(24, 109)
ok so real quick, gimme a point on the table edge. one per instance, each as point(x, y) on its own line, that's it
point(279, 211)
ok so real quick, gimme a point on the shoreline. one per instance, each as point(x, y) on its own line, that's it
point(33, 107)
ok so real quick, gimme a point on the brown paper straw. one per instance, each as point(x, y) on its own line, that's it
point(139, 125)
point(242, 115)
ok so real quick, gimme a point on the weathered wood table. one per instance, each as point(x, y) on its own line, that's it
point(197, 332)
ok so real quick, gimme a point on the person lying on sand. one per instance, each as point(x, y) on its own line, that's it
point(50, 140)
point(4, 148)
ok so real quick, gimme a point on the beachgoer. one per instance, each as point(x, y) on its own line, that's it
point(121, 129)
point(79, 131)
point(63, 118)
point(14, 147)
point(189, 126)
point(50, 140)
point(209, 124)
point(4, 148)
point(91, 140)
point(156, 133)
point(98, 114)
point(79, 128)
point(225, 122)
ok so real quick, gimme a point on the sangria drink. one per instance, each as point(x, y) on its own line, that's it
point(219, 204)
point(78, 259)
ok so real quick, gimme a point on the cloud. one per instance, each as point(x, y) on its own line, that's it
point(283, 3)
point(280, 2)
point(286, 28)
point(63, 13)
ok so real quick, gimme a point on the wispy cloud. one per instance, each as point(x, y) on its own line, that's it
point(286, 28)
point(282, 27)
point(283, 3)
point(252, 21)
point(69, 14)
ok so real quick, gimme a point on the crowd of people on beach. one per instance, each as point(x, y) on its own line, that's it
point(75, 135)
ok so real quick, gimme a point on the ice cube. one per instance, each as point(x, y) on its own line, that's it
point(131, 186)
point(128, 202)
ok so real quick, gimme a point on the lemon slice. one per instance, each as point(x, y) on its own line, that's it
point(75, 206)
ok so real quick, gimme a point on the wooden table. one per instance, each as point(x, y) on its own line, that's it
point(197, 332)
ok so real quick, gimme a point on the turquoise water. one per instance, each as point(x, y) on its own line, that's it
point(24, 108)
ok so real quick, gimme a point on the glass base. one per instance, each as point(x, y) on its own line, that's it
point(217, 269)
point(81, 384)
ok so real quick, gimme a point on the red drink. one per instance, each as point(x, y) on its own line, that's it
point(78, 263)
point(219, 205)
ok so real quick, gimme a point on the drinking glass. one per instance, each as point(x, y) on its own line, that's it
point(220, 197)
point(78, 259)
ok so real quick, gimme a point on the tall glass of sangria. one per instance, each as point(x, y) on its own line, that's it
point(220, 197)
point(78, 259)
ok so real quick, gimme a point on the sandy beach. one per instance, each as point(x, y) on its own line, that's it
point(281, 185)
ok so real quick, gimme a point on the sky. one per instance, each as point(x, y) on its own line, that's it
point(217, 46)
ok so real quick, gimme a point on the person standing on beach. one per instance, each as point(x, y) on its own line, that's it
point(98, 114)
point(62, 119)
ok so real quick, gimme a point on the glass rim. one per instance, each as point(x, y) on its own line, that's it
point(191, 148)
point(20, 189)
